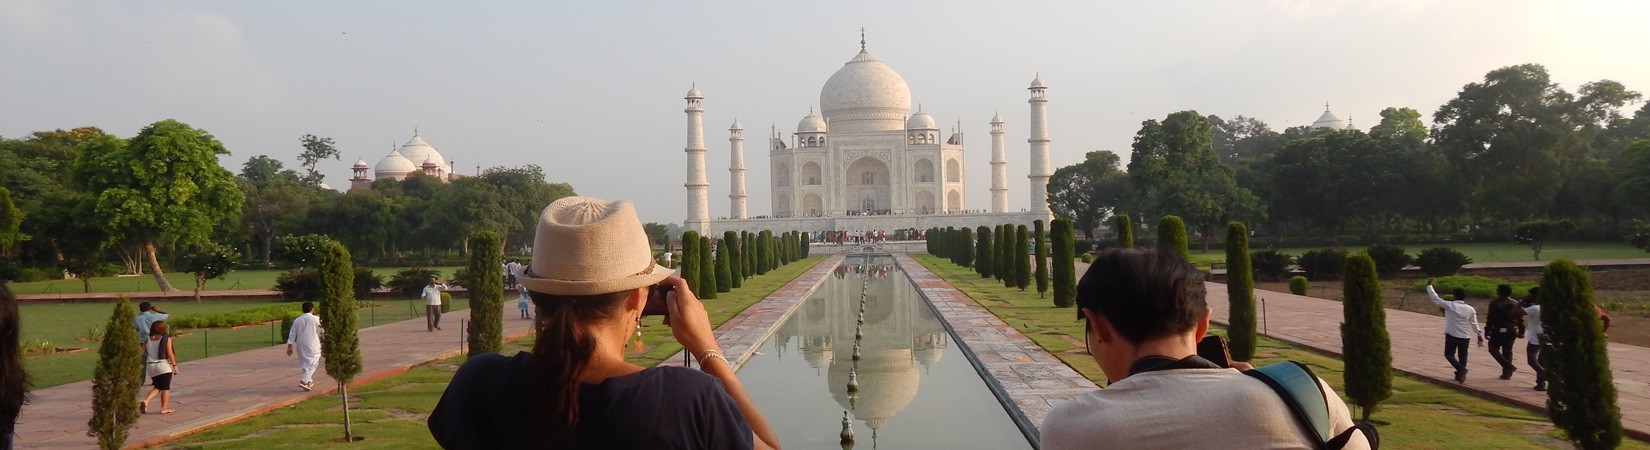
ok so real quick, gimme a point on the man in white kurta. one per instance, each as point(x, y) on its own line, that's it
point(305, 338)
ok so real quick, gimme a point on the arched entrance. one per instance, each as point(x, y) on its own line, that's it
point(925, 202)
point(869, 186)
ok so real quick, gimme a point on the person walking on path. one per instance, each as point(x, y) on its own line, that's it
point(305, 337)
point(1460, 325)
point(148, 314)
point(1505, 323)
point(1532, 338)
point(432, 304)
point(160, 363)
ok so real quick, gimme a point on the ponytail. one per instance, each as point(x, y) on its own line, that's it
point(560, 353)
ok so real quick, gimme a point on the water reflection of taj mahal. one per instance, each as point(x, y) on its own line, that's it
point(900, 334)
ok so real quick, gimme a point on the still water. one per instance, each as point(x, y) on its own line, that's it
point(915, 389)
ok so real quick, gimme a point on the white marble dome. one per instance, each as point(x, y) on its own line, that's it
point(811, 123)
point(1328, 120)
point(360, 164)
point(865, 95)
point(418, 150)
point(394, 165)
point(921, 121)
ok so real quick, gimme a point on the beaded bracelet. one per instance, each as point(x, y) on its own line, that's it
point(708, 354)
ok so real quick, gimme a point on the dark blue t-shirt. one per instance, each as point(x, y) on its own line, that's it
point(488, 405)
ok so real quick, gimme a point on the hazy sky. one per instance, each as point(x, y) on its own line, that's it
point(593, 91)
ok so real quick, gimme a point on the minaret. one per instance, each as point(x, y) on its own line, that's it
point(697, 201)
point(999, 167)
point(1039, 149)
point(736, 170)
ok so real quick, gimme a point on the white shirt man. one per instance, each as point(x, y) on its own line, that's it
point(1460, 325)
point(432, 303)
point(305, 338)
point(1532, 340)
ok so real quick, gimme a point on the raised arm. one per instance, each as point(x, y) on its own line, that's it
point(691, 326)
point(1433, 295)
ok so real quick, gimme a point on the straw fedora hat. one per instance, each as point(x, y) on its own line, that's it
point(590, 246)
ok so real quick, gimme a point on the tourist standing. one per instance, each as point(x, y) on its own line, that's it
point(160, 363)
point(14, 382)
point(511, 271)
point(1505, 323)
point(432, 303)
point(147, 315)
point(522, 304)
point(305, 337)
point(1460, 325)
point(1532, 338)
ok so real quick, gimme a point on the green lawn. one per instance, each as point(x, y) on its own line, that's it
point(1420, 415)
point(390, 413)
point(69, 324)
point(1479, 251)
point(260, 279)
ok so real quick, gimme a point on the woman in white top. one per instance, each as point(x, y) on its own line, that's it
point(159, 364)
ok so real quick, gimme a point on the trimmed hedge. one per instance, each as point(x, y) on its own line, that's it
point(1389, 259)
point(1441, 261)
point(1298, 285)
point(1324, 264)
point(1270, 264)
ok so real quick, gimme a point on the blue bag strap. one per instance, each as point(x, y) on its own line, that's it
point(1301, 391)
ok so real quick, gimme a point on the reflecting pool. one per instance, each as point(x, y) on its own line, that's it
point(914, 388)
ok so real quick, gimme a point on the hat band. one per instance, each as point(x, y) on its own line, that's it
point(649, 270)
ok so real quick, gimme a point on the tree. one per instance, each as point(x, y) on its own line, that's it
point(1037, 236)
point(724, 274)
point(690, 260)
point(340, 345)
point(276, 201)
point(1365, 345)
point(1065, 264)
point(1335, 176)
point(965, 252)
point(1087, 191)
point(1174, 170)
point(747, 250)
point(1240, 293)
point(764, 252)
point(1125, 231)
point(11, 220)
point(657, 233)
point(1022, 261)
point(116, 380)
point(736, 276)
point(1581, 393)
point(707, 270)
point(1004, 259)
point(1632, 179)
point(316, 149)
point(209, 261)
point(984, 247)
point(486, 291)
point(1535, 233)
point(1171, 236)
point(164, 184)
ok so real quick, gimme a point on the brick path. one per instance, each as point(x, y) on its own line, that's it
point(1022, 374)
point(222, 389)
point(744, 333)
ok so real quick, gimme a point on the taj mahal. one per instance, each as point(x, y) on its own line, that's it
point(866, 162)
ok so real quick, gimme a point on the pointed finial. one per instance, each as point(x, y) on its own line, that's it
point(415, 130)
point(862, 39)
point(1326, 106)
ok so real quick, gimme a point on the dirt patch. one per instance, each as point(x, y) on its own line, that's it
point(1625, 292)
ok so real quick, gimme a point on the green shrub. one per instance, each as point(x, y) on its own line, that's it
point(1041, 251)
point(1389, 259)
point(1476, 286)
point(461, 277)
point(1240, 294)
point(1581, 393)
point(340, 344)
point(1365, 345)
point(1323, 264)
point(1270, 264)
point(1297, 285)
point(690, 260)
point(302, 285)
point(1171, 236)
point(412, 281)
point(724, 271)
point(1125, 231)
point(446, 302)
point(366, 282)
point(707, 269)
point(486, 332)
point(1065, 271)
point(1087, 258)
point(983, 246)
point(227, 319)
point(735, 258)
point(1022, 258)
point(116, 380)
point(1440, 261)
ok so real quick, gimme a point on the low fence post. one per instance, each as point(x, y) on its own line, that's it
point(461, 331)
point(1263, 317)
point(206, 349)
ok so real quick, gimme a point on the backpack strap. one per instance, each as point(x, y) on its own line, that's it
point(1301, 392)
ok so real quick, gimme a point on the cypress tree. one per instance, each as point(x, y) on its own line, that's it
point(928, 241)
point(117, 378)
point(764, 250)
point(340, 345)
point(1171, 236)
point(747, 252)
point(1065, 264)
point(983, 247)
point(965, 251)
point(806, 244)
point(690, 260)
point(1364, 343)
point(731, 239)
point(724, 274)
point(1022, 257)
point(1038, 236)
point(707, 269)
point(1240, 293)
point(1005, 255)
point(1581, 392)
point(486, 294)
point(1125, 231)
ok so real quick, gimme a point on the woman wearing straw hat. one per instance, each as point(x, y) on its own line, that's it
point(590, 277)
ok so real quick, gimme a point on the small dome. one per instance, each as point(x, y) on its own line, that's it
point(1328, 120)
point(360, 163)
point(1037, 83)
point(865, 95)
point(394, 165)
point(693, 92)
point(921, 121)
point(736, 126)
point(811, 123)
point(432, 161)
point(997, 118)
point(418, 151)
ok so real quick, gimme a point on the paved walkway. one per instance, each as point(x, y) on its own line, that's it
point(222, 389)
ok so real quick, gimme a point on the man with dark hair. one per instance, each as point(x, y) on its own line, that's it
point(1460, 325)
point(1505, 323)
point(305, 336)
point(147, 315)
point(1532, 338)
point(1145, 313)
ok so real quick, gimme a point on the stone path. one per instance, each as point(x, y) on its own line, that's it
point(744, 333)
point(1022, 374)
point(1418, 347)
point(222, 389)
